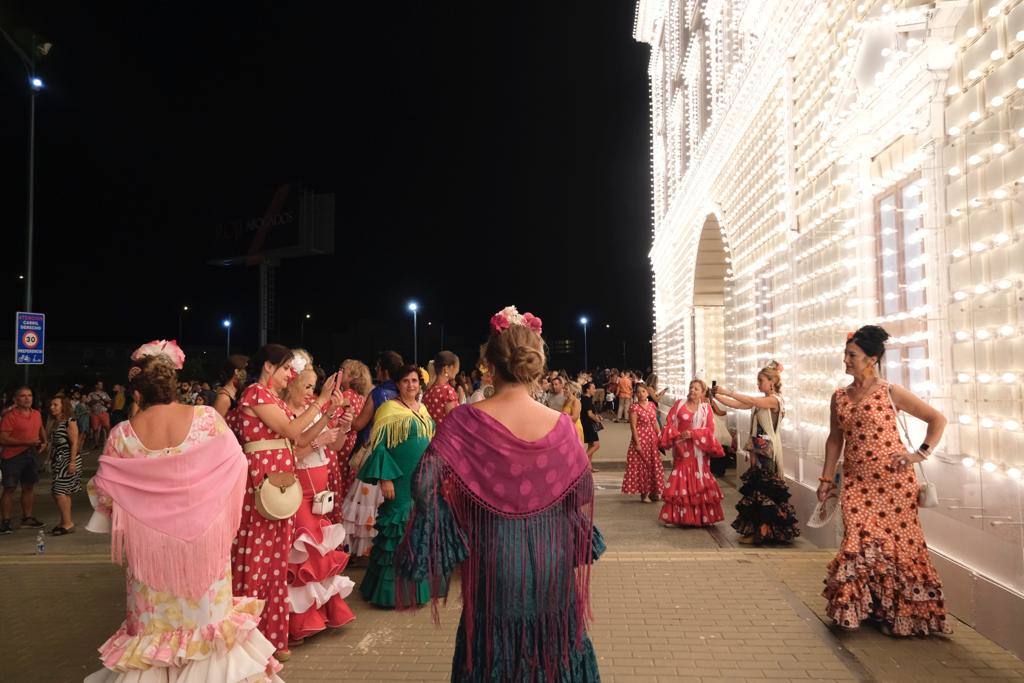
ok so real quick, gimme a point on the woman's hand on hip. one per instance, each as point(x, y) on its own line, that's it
point(387, 487)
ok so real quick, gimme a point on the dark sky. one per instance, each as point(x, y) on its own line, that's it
point(482, 154)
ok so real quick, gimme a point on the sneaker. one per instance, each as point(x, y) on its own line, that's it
point(31, 522)
point(5, 527)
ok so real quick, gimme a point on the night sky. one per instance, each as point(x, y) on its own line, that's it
point(482, 154)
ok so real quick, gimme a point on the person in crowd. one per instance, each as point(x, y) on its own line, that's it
point(316, 587)
point(484, 390)
point(507, 479)
point(81, 412)
point(657, 393)
point(624, 395)
point(232, 380)
point(359, 509)
point(592, 422)
point(182, 623)
point(573, 407)
point(65, 461)
point(388, 363)
point(556, 394)
point(692, 497)
point(267, 429)
point(119, 401)
point(22, 437)
point(463, 387)
point(402, 429)
point(99, 421)
point(440, 397)
point(540, 392)
point(611, 392)
point(765, 514)
point(645, 475)
point(882, 571)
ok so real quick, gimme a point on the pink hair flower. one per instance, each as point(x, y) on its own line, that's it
point(161, 347)
point(533, 322)
point(499, 323)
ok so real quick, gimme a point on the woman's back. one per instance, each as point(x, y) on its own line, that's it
point(520, 415)
point(163, 426)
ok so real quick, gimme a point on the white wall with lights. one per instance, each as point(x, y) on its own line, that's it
point(864, 163)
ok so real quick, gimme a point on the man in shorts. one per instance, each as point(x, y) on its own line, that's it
point(99, 419)
point(21, 437)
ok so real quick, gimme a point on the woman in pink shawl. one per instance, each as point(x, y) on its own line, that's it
point(505, 489)
point(170, 487)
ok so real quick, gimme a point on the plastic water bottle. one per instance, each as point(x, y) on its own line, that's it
point(40, 543)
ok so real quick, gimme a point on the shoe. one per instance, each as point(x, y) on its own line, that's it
point(746, 540)
point(31, 522)
point(5, 527)
point(283, 655)
point(62, 531)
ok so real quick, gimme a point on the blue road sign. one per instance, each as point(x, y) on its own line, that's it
point(29, 338)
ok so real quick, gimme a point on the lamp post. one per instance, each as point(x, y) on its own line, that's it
point(414, 307)
point(586, 363)
point(302, 330)
point(181, 325)
point(227, 326)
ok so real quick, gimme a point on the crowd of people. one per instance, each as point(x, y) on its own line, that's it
point(242, 504)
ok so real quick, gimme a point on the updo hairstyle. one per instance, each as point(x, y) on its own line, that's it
point(275, 354)
point(516, 354)
point(871, 340)
point(773, 372)
point(155, 378)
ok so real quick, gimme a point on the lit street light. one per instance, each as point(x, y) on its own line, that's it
point(586, 364)
point(302, 329)
point(414, 307)
point(181, 320)
point(227, 326)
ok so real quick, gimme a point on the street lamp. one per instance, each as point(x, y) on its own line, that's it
point(586, 363)
point(181, 317)
point(302, 329)
point(227, 326)
point(414, 307)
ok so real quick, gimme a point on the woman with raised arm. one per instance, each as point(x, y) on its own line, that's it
point(882, 571)
point(765, 513)
point(170, 487)
point(505, 490)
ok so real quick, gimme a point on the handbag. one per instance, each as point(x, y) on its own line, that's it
point(358, 457)
point(323, 501)
point(927, 493)
point(278, 496)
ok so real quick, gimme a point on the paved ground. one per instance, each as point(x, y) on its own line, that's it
point(669, 605)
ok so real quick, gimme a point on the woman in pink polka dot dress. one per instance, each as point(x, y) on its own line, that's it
point(441, 398)
point(692, 497)
point(644, 472)
point(266, 429)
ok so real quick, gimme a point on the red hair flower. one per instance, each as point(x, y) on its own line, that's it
point(499, 323)
point(533, 322)
point(849, 335)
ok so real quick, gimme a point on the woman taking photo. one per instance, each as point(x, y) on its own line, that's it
point(441, 398)
point(765, 513)
point(65, 461)
point(269, 431)
point(232, 379)
point(402, 429)
point(644, 472)
point(692, 497)
point(182, 623)
point(505, 490)
point(882, 571)
point(592, 422)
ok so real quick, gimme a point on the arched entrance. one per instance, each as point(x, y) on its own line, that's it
point(708, 319)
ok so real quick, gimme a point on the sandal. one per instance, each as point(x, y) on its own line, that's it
point(62, 531)
point(31, 522)
point(283, 655)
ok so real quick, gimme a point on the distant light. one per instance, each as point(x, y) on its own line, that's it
point(36, 83)
point(226, 322)
point(21, 277)
point(184, 308)
point(607, 326)
point(307, 316)
point(583, 320)
point(413, 306)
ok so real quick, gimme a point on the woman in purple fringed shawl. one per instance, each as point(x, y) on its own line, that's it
point(505, 490)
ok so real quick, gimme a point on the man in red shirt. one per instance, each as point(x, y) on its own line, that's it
point(21, 437)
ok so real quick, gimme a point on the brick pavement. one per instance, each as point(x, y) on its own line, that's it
point(669, 605)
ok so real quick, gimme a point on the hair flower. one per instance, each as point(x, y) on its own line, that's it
point(533, 322)
point(161, 347)
point(499, 323)
point(298, 364)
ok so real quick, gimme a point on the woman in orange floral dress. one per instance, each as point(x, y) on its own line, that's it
point(882, 571)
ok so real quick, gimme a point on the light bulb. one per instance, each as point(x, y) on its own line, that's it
point(1013, 473)
point(958, 252)
point(972, 32)
point(987, 423)
point(1006, 330)
point(953, 171)
point(980, 289)
point(967, 462)
point(1008, 377)
point(984, 378)
point(998, 148)
point(1020, 36)
point(1001, 238)
point(999, 194)
point(996, 101)
point(1004, 284)
point(974, 160)
point(979, 246)
point(953, 90)
point(1012, 425)
point(982, 335)
point(959, 296)
point(964, 419)
point(989, 467)
point(962, 335)
point(963, 378)
point(1020, 132)
point(974, 116)
point(996, 54)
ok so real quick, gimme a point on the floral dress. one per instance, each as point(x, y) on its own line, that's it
point(882, 570)
point(644, 472)
point(260, 560)
point(436, 398)
point(692, 497)
point(166, 637)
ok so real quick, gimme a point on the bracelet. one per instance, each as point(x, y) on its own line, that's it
point(823, 480)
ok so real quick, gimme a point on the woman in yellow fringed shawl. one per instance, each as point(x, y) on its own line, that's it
point(402, 430)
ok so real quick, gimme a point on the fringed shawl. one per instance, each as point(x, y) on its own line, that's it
point(393, 422)
point(533, 497)
point(175, 517)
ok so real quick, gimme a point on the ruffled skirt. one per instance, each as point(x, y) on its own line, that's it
point(692, 497)
point(378, 586)
point(359, 513)
point(765, 512)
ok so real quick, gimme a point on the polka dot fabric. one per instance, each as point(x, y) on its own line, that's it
point(692, 497)
point(259, 561)
point(644, 471)
point(882, 570)
point(436, 398)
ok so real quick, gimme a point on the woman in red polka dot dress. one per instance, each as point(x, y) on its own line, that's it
point(882, 571)
point(266, 430)
point(644, 472)
point(441, 398)
point(692, 497)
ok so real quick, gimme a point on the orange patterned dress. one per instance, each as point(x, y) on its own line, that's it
point(882, 571)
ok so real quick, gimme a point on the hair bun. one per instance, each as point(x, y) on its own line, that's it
point(516, 353)
point(525, 363)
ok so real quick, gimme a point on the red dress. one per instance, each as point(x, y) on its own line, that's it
point(347, 474)
point(259, 559)
point(644, 472)
point(692, 497)
point(436, 398)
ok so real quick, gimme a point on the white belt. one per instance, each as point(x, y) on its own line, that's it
point(267, 445)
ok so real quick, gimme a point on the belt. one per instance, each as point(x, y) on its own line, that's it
point(267, 445)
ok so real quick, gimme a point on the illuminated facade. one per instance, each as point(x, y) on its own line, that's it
point(822, 164)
